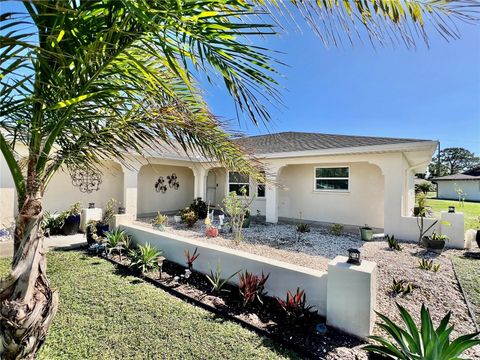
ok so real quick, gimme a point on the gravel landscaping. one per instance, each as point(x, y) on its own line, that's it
point(438, 291)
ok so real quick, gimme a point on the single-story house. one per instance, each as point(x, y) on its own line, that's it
point(351, 180)
point(466, 185)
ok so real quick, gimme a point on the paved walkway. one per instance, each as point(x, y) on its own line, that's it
point(59, 241)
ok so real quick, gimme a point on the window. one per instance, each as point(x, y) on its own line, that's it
point(332, 179)
point(237, 181)
point(261, 186)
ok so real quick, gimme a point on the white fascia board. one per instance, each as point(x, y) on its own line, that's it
point(402, 147)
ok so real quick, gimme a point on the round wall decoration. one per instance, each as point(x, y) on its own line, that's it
point(86, 180)
point(173, 181)
point(160, 185)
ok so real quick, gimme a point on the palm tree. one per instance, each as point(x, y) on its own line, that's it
point(84, 81)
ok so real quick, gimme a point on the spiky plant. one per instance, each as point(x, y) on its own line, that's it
point(144, 258)
point(425, 343)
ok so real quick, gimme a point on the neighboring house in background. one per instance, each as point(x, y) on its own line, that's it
point(351, 180)
point(467, 182)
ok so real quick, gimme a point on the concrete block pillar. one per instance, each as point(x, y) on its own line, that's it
point(351, 296)
point(200, 182)
point(453, 225)
point(120, 219)
point(271, 194)
point(89, 215)
point(130, 191)
point(7, 195)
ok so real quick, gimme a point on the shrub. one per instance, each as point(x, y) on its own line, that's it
point(401, 286)
point(199, 207)
point(108, 212)
point(144, 258)
point(189, 217)
point(115, 240)
point(336, 229)
point(191, 258)
point(50, 224)
point(428, 265)
point(215, 278)
point(427, 343)
point(393, 243)
point(295, 306)
point(160, 219)
point(251, 287)
point(303, 228)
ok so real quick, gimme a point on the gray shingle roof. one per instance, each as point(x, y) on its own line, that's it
point(456, 177)
point(300, 141)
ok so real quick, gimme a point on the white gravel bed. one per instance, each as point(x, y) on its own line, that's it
point(438, 291)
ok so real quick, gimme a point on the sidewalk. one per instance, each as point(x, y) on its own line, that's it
point(59, 241)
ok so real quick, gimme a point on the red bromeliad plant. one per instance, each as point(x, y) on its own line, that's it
point(191, 258)
point(252, 287)
point(295, 306)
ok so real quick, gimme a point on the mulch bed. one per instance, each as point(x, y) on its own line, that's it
point(267, 320)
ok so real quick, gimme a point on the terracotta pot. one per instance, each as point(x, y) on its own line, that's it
point(212, 232)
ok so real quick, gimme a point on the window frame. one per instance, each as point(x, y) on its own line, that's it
point(315, 178)
point(264, 184)
point(238, 183)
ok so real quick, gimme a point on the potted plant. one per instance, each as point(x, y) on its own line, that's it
point(435, 241)
point(178, 217)
point(108, 212)
point(478, 233)
point(71, 220)
point(211, 230)
point(160, 221)
point(366, 232)
point(91, 232)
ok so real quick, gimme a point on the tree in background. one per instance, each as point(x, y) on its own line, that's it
point(453, 161)
point(87, 80)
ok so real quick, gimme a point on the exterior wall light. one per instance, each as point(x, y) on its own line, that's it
point(354, 256)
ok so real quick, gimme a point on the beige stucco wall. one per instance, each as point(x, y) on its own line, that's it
point(446, 189)
point(362, 204)
point(151, 201)
point(61, 194)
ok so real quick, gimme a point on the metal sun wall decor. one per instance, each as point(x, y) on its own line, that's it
point(86, 180)
point(172, 181)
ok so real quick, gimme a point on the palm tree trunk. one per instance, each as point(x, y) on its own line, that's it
point(28, 304)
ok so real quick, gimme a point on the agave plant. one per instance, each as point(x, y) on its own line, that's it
point(393, 243)
point(426, 343)
point(215, 279)
point(115, 240)
point(428, 265)
point(145, 258)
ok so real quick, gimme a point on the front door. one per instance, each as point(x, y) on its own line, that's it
point(211, 189)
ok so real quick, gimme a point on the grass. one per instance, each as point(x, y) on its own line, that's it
point(470, 209)
point(106, 315)
point(468, 271)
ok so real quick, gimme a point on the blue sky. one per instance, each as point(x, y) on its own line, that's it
point(388, 91)
point(422, 93)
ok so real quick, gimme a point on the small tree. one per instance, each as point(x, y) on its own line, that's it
point(461, 194)
point(423, 187)
point(236, 206)
point(422, 211)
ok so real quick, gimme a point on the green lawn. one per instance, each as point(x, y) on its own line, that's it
point(468, 271)
point(104, 315)
point(470, 209)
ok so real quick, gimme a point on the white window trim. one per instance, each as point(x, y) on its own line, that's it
point(238, 183)
point(329, 178)
point(256, 184)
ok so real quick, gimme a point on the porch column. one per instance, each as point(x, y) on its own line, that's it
point(271, 194)
point(7, 195)
point(200, 181)
point(130, 185)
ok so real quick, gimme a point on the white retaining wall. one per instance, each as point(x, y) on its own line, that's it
point(321, 287)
